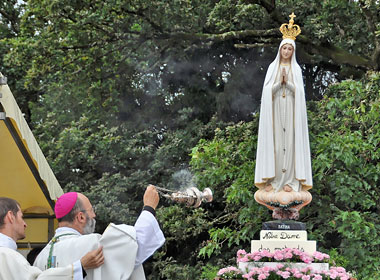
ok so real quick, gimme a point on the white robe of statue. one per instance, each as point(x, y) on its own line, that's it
point(13, 266)
point(125, 248)
point(283, 152)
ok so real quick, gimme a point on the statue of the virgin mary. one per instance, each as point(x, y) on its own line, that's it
point(283, 165)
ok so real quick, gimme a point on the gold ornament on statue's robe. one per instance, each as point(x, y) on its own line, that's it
point(290, 30)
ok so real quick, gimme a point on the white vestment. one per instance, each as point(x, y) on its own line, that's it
point(125, 248)
point(283, 139)
point(13, 266)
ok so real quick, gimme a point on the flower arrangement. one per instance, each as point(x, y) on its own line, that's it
point(230, 272)
point(284, 255)
point(282, 270)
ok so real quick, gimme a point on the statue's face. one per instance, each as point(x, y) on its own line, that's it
point(286, 52)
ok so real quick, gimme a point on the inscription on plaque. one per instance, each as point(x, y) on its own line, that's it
point(305, 246)
point(283, 225)
point(283, 235)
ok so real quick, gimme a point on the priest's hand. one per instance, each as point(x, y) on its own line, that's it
point(151, 197)
point(93, 259)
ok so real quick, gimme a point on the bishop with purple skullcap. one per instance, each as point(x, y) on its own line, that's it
point(65, 203)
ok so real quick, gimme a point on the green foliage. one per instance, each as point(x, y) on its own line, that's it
point(185, 229)
point(209, 272)
point(170, 269)
point(228, 15)
point(226, 165)
point(336, 259)
point(111, 197)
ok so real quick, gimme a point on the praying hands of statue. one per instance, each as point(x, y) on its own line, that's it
point(284, 79)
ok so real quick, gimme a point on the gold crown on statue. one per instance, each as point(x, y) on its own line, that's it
point(290, 30)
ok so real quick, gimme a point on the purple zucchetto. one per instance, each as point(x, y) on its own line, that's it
point(65, 203)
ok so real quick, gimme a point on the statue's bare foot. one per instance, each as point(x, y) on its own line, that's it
point(287, 188)
point(268, 188)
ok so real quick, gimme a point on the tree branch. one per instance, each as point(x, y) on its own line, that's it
point(336, 54)
point(260, 38)
point(270, 7)
point(141, 14)
point(250, 46)
point(372, 19)
point(13, 20)
point(255, 35)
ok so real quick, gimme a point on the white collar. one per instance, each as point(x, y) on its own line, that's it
point(7, 242)
point(65, 229)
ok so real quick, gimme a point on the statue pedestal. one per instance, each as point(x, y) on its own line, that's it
point(279, 235)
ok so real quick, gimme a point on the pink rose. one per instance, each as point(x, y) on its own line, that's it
point(241, 252)
point(278, 256)
point(221, 271)
point(262, 276)
point(257, 258)
point(266, 254)
point(318, 255)
point(288, 255)
point(244, 259)
point(340, 269)
point(297, 252)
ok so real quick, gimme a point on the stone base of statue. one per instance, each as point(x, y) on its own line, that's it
point(285, 203)
point(284, 225)
point(278, 235)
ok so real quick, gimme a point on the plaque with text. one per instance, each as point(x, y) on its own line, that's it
point(295, 235)
point(305, 246)
point(283, 225)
